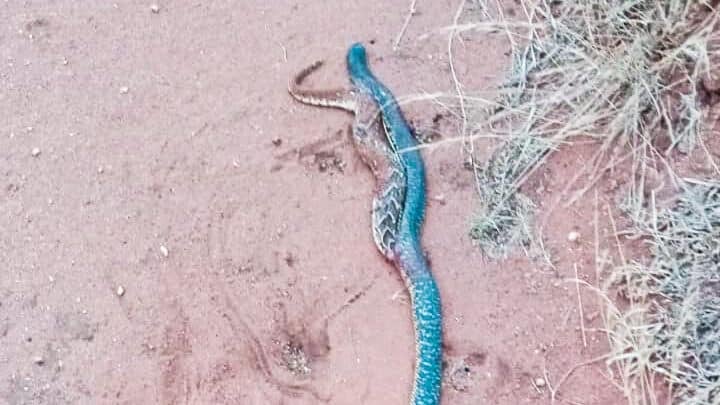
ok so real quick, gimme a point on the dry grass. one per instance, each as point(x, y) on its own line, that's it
point(672, 327)
point(627, 75)
point(621, 72)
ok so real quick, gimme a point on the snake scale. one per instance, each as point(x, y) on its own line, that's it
point(386, 144)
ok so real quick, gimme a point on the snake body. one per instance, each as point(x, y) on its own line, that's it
point(386, 143)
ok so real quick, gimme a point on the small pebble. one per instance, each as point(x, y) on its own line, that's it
point(155, 8)
point(120, 291)
point(100, 170)
point(124, 90)
point(277, 141)
point(39, 360)
point(573, 236)
point(539, 382)
point(164, 251)
point(35, 152)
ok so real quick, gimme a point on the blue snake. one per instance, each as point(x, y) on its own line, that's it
point(398, 207)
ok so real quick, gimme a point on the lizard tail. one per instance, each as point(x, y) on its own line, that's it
point(336, 98)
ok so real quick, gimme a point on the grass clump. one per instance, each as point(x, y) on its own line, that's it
point(674, 327)
point(628, 75)
point(621, 72)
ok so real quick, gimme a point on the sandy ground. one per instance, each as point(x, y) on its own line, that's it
point(159, 153)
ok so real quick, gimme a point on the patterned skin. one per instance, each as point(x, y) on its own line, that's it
point(382, 137)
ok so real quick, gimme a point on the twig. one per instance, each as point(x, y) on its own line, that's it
point(400, 34)
point(615, 234)
point(456, 81)
point(561, 381)
point(468, 143)
point(580, 307)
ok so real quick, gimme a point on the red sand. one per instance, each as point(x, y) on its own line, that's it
point(174, 129)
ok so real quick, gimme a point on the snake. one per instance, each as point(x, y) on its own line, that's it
point(386, 143)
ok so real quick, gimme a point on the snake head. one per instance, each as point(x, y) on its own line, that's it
point(358, 67)
point(357, 56)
